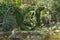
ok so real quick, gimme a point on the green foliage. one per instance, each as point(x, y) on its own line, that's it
point(6, 11)
point(25, 15)
point(18, 2)
point(28, 18)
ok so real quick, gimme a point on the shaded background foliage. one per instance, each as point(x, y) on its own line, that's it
point(6, 11)
point(28, 16)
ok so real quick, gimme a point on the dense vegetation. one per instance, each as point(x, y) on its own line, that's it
point(36, 15)
point(42, 16)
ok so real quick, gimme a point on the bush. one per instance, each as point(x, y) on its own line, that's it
point(6, 12)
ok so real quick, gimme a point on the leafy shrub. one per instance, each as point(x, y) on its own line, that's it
point(6, 12)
